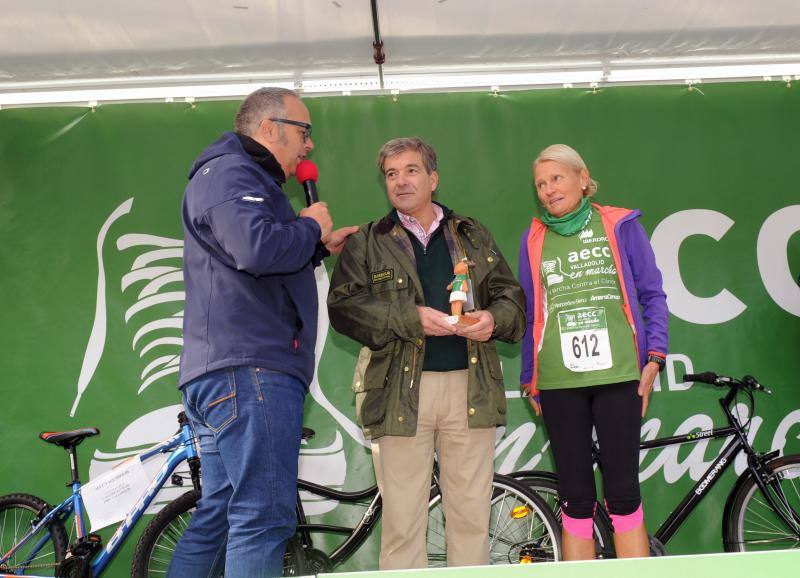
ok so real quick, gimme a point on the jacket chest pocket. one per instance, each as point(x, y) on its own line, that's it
point(389, 289)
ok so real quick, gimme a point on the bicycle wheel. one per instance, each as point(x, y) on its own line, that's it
point(159, 539)
point(547, 488)
point(752, 524)
point(157, 544)
point(18, 514)
point(522, 529)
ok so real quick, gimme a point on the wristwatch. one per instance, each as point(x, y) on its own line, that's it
point(662, 363)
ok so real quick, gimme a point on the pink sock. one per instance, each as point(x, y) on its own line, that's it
point(579, 527)
point(627, 522)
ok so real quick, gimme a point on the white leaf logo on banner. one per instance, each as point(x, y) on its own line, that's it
point(156, 266)
point(97, 338)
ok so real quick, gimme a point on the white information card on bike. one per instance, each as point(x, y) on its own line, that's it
point(108, 498)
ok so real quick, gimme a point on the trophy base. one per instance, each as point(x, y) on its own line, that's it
point(460, 320)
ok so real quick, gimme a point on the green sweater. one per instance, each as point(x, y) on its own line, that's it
point(435, 270)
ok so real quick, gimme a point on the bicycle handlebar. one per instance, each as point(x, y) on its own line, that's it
point(711, 378)
point(706, 377)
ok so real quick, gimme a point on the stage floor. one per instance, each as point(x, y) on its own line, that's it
point(745, 565)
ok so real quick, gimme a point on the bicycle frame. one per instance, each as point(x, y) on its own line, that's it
point(757, 468)
point(181, 447)
point(726, 458)
point(357, 535)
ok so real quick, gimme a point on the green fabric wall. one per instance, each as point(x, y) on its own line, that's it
point(730, 149)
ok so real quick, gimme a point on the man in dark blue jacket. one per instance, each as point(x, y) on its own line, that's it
point(249, 332)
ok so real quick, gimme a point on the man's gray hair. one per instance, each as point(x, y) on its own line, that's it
point(397, 146)
point(267, 102)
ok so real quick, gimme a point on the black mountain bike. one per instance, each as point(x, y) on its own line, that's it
point(523, 529)
point(763, 508)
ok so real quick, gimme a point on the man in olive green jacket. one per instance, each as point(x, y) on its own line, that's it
point(423, 384)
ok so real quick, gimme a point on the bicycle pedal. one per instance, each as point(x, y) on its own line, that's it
point(86, 547)
point(78, 562)
point(74, 567)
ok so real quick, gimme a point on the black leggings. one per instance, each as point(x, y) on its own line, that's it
point(614, 410)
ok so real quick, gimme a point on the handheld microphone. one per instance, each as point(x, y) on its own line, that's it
point(307, 175)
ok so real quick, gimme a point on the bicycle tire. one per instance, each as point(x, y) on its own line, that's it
point(522, 528)
point(750, 523)
point(17, 513)
point(154, 550)
point(546, 487)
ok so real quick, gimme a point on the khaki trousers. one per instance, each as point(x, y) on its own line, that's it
point(403, 467)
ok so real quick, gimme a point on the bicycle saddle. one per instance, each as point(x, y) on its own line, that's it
point(68, 438)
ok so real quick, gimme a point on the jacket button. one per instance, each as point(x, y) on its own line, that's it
point(471, 411)
point(406, 369)
point(490, 259)
point(358, 383)
point(401, 419)
point(419, 341)
point(473, 359)
point(399, 281)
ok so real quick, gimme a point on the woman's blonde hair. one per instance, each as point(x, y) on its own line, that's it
point(566, 155)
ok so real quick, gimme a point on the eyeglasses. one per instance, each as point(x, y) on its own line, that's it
point(304, 125)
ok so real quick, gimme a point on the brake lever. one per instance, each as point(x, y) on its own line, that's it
point(751, 381)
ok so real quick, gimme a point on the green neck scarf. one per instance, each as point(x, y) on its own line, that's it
point(571, 223)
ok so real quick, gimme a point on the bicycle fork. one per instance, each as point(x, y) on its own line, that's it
point(769, 484)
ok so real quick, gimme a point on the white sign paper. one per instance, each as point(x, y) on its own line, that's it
point(109, 498)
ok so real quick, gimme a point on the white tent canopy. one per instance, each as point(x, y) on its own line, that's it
point(325, 46)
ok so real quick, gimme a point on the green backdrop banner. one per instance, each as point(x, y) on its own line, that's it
point(92, 292)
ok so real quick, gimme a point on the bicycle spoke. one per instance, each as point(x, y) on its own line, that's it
point(35, 551)
point(171, 538)
point(765, 529)
point(783, 535)
point(767, 522)
point(163, 548)
point(774, 522)
point(16, 524)
point(771, 540)
point(757, 524)
point(493, 533)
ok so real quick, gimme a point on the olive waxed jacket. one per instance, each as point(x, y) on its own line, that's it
point(373, 297)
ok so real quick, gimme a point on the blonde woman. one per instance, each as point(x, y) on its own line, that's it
point(596, 338)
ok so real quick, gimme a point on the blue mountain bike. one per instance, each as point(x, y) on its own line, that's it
point(33, 535)
point(34, 542)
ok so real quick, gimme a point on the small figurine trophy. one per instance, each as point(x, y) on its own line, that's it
point(458, 288)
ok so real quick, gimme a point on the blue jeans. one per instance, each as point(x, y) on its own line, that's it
point(249, 422)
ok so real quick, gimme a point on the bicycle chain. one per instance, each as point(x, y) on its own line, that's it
point(27, 566)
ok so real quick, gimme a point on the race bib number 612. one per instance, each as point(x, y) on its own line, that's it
point(584, 339)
